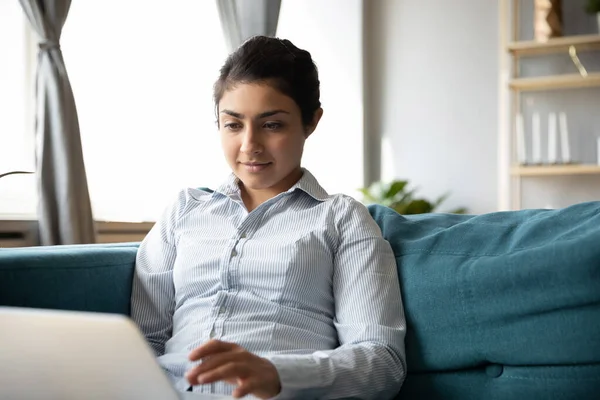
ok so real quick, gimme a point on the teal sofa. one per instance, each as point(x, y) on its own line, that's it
point(498, 306)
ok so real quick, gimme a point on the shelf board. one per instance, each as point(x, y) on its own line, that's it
point(554, 170)
point(567, 81)
point(555, 45)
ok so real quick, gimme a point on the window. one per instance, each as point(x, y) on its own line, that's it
point(18, 192)
point(143, 89)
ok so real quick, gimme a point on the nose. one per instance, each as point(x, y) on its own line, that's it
point(251, 141)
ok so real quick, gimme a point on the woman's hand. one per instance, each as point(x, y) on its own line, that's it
point(222, 361)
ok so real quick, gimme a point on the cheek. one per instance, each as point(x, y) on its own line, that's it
point(229, 146)
point(290, 146)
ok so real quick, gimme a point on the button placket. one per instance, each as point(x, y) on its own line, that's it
point(245, 230)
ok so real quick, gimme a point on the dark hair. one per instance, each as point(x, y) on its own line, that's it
point(278, 62)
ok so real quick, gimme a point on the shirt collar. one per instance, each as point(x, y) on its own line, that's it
point(230, 186)
point(307, 183)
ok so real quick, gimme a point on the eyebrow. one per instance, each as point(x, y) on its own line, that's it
point(259, 116)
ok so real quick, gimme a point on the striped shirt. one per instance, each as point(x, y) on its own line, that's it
point(305, 280)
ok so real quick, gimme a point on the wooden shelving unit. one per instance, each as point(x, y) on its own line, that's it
point(555, 170)
point(513, 85)
point(557, 45)
point(570, 81)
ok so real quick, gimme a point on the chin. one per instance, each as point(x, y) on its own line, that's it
point(254, 182)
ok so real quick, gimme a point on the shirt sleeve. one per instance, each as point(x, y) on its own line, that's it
point(153, 292)
point(370, 362)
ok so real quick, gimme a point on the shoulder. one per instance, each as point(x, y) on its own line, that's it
point(353, 217)
point(185, 200)
point(179, 210)
point(346, 205)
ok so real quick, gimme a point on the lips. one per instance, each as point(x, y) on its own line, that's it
point(256, 166)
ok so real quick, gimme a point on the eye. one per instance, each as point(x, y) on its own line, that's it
point(232, 126)
point(273, 126)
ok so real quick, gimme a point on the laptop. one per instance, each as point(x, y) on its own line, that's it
point(69, 355)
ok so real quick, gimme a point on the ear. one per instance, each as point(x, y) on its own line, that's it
point(315, 121)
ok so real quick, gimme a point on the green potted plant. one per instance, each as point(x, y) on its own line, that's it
point(398, 196)
point(593, 7)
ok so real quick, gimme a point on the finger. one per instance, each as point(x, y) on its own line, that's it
point(247, 387)
point(227, 371)
point(211, 347)
point(215, 361)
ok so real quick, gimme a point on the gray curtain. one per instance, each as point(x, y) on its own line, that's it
point(65, 212)
point(242, 19)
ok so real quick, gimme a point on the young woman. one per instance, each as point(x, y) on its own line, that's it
point(270, 286)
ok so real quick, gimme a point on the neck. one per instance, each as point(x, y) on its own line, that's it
point(255, 197)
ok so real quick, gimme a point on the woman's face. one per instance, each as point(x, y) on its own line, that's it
point(262, 136)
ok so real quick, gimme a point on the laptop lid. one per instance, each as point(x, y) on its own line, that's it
point(63, 355)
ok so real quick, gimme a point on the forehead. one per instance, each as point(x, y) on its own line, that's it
point(256, 98)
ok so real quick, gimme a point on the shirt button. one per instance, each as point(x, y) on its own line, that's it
point(222, 310)
point(234, 253)
point(212, 333)
point(243, 235)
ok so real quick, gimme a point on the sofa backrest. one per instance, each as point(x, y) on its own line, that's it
point(507, 301)
point(81, 278)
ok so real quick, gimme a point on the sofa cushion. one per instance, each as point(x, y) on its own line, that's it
point(82, 277)
point(567, 382)
point(518, 288)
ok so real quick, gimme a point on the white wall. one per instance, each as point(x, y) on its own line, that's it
point(432, 77)
point(332, 32)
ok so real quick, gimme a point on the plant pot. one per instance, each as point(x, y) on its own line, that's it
point(547, 19)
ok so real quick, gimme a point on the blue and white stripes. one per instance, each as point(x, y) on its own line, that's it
point(305, 280)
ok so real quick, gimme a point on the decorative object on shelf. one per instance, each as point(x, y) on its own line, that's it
point(521, 147)
point(552, 156)
point(397, 196)
point(554, 123)
point(593, 7)
point(564, 138)
point(575, 58)
point(536, 140)
point(547, 19)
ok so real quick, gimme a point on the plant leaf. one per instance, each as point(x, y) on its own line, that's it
point(440, 200)
point(407, 197)
point(367, 196)
point(395, 188)
point(419, 206)
point(396, 196)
